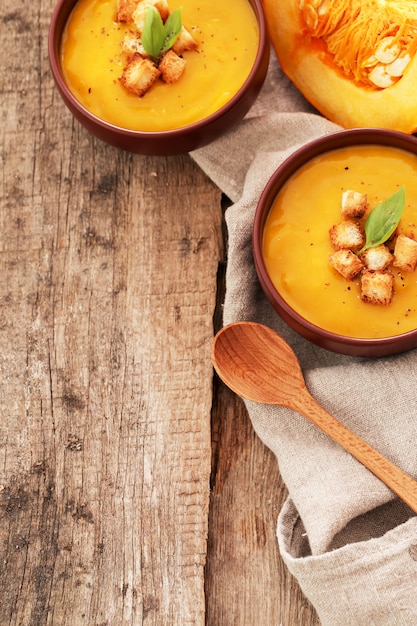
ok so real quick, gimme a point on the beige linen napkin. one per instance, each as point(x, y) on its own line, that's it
point(348, 540)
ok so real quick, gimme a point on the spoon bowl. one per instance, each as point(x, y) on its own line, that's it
point(259, 365)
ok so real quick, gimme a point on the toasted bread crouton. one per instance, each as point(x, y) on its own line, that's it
point(405, 253)
point(354, 203)
point(377, 258)
point(125, 9)
point(346, 263)
point(377, 287)
point(172, 67)
point(138, 15)
point(139, 75)
point(162, 6)
point(347, 234)
point(184, 42)
point(131, 45)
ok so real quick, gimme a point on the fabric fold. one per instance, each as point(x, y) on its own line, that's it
point(366, 583)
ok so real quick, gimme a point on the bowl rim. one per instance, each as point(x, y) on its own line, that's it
point(334, 140)
point(59, 17)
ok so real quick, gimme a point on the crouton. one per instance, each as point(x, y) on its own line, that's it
point(346, 263)
point(354, 203)
point(184, 42)
point(377, 287)
point(162, 6)
point(377, 258)
point(131, 45)
point(347, 234)
point(405, 253)
point(138, 15)
point(172, 67)
point(139, 75)
point(125, 9)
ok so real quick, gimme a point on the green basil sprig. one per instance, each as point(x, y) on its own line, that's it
point(157, 37)
point(384, 219)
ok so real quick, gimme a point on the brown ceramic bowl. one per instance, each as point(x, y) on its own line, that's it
point(351, 346)
point(169, 142)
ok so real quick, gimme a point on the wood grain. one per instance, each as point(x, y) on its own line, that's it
point(246, 578)
point(108, 274)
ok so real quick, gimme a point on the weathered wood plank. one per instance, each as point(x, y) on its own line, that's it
point(248, 582)
point(105, 351)
point(107, 291)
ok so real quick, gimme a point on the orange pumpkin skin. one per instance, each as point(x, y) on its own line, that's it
point(337, 97)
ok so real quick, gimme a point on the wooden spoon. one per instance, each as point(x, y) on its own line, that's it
point(258, 365)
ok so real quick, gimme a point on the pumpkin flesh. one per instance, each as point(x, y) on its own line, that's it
point(354, 61)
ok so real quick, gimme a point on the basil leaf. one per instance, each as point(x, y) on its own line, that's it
point(384, 219)
point(172, 29)
point(157, 37)
point(153, 34)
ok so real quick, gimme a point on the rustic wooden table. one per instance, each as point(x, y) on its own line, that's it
point(132, 486)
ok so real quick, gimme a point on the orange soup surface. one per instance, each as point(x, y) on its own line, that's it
point(296, 242)
point(228, 37)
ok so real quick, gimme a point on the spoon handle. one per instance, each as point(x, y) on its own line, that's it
point(398, 481)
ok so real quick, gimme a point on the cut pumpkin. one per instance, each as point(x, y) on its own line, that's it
point(355, 61)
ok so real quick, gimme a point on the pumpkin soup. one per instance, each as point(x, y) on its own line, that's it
point(297, 246)
point(92, 59)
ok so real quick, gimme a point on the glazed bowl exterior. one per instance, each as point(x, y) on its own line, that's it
point(367, 348)
point(169, 142)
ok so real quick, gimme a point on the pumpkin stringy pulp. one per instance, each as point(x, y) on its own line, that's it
point(371, 42)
